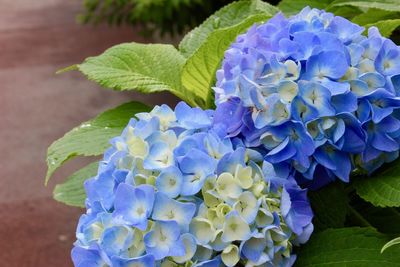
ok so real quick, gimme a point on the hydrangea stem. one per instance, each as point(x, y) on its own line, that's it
point(358, 217)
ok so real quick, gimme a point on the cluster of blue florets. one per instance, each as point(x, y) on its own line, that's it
point(308, 97)
point(174, 191)
point(314, 94)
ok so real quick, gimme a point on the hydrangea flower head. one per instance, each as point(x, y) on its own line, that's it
point(171, 191)
point(314, 93)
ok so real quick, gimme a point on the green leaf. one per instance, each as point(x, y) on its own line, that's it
point(350, 247)
point(374, 15)
point(348, 12)
point(392, 242)
point(199, 71)
point(227, 16)
point(290, 7)
point(390, 5)
point(386, 27)
point(69, 68)
point(72, 192)
point(332, 198)
point(147, 68)
point(383, 188)
point(91, 138)
point(386, 21)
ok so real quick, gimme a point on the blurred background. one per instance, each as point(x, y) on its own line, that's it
point(36, 107)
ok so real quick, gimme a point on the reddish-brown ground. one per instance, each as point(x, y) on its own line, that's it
point(36, 107)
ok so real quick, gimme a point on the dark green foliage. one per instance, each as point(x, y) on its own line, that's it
point(382, 188)
point(350, 247)
point(330, 206)
point(167, 16)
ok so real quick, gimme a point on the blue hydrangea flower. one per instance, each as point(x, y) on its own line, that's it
point(173, 190)
point(163, 240)
point(313, 93)
point(133, 205)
